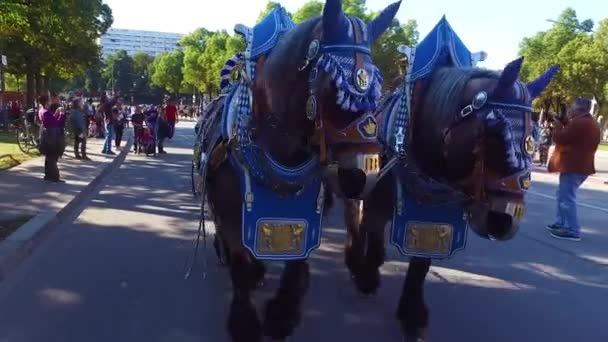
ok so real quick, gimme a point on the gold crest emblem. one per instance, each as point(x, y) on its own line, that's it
point(370, 128)
point(281, 237)
point(362, 79)
point(529, 145)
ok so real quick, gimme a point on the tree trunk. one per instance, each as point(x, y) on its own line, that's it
point(30, 91)
point(39, 85)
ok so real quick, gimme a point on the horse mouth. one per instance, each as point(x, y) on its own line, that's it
point(499, 218)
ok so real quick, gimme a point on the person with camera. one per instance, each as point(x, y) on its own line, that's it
point(52, 139)
point(78, 119)
point(576, 139)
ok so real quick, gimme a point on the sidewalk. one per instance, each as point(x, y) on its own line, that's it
point(25, 197)
point(24, 193)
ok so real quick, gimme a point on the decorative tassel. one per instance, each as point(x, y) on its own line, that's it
point(348, 97)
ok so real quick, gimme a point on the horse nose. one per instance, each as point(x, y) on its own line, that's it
point(351, 182)
point(354, 176)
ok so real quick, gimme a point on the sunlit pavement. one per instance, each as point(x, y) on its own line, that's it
point(117, 274)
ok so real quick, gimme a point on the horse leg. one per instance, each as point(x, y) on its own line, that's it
point(354, 252)
point(243, 323)
point(412, 312)
point(366, 224)
point(224, 195)
point(283, 312)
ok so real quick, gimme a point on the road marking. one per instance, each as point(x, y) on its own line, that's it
point(585, 205)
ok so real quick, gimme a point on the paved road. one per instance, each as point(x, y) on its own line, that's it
point(116, 274)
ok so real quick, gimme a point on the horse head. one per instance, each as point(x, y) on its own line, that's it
point(321, 88)
point(473, 128)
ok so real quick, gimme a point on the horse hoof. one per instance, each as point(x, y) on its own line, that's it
point(414, 339)
point(281, 319)
point(243, 322)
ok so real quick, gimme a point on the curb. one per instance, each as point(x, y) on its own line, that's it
point(19, 245)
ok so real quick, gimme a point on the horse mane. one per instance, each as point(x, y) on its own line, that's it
point(281, 74)
point(442, 101)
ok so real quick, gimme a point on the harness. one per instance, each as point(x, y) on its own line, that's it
point(319, 57)
point(443, 48)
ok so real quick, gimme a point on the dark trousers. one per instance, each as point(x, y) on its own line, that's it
point(161, 147)
point(51, 170)
point(118, 129)
point(82, 143)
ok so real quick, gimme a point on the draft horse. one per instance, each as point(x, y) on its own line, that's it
point(458, 140)
point(300, 116)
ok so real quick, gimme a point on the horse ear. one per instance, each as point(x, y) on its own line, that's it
point(509, 75)
point(332, 19)
point(536, 87)
point(377, 26)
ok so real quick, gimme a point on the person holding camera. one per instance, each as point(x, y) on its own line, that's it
point(52, 139)
point(576, 140)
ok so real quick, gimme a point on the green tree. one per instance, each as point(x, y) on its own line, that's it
point(309, 10)
point(167, 73)
point(384, 51)
point(64, 32)
point(118, 73)
point(583, 70)
point(270, 5)
point(194, 46)
point(356, 8)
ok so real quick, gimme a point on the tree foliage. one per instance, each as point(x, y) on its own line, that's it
point(167, 71)
point(582, 57)
point(51, 39)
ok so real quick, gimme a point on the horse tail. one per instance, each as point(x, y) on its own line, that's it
point(227, 69)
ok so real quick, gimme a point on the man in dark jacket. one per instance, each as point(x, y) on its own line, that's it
point(576, 141)
point(137, 120)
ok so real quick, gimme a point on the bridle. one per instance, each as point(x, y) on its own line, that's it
point(362, 130)
point(482, 107)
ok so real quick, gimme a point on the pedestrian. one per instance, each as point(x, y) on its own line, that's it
point(78, 120)
point(137, 119)
point(576, 140)
point(52, 139)
point(545, 143)
point(163, 130)
point(171, 117)
point(119, 126)
point(107, 145)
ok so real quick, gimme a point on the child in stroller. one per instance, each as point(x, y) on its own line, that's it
point(144, 140)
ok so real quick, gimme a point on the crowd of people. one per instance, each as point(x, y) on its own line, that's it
point(107, 121)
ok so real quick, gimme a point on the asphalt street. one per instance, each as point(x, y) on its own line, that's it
point(117, 274)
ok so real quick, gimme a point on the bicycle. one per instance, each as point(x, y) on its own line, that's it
point(27, 131)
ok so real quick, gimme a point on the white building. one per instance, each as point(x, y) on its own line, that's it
point(132, 41)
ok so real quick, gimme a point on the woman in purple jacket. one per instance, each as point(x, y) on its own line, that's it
point(52, 140)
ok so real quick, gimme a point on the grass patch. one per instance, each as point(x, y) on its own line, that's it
point(603, 147)
point(10, 154)
point(9, 226)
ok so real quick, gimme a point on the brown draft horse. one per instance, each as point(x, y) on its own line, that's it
point(296, 115)
point(469, 155)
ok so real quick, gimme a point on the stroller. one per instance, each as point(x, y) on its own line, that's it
point(146, 141)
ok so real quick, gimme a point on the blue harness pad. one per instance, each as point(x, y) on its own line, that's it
point(440, 48)
point(426, 231)
point(266, 33)
point(281, 228)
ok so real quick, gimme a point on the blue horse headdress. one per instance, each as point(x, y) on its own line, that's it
point(343, 51)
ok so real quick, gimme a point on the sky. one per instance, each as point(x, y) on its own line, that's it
point(496, 27)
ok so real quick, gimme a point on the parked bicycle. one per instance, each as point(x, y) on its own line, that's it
point(27, 130)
